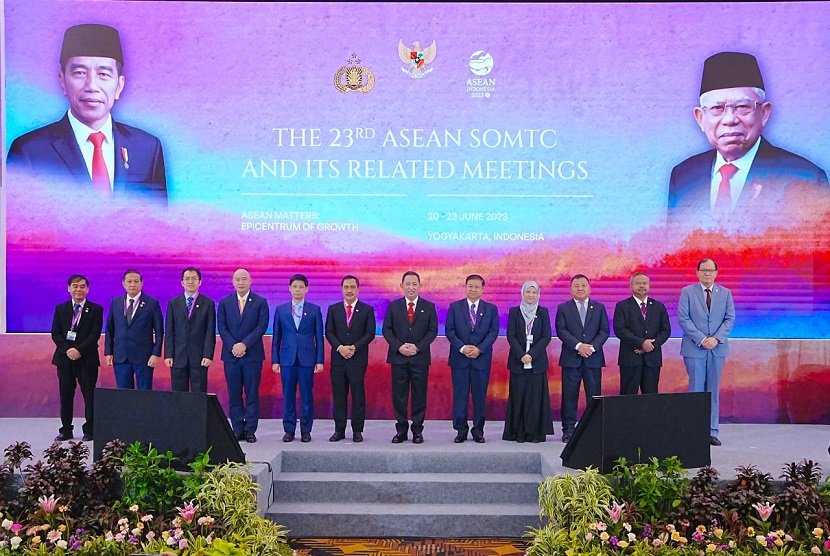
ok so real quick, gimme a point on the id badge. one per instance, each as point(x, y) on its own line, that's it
point(530, 338)
point(71, 335)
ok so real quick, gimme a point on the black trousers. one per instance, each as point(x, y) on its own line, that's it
point(345, 379)
point(184, 379)
point(641, 377)
point(84, 376)
point(408, 378)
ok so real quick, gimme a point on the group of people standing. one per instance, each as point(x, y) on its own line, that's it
point(136, 333)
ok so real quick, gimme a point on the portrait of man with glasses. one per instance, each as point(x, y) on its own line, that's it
point(744, 180)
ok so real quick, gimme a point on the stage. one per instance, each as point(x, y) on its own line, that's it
point(768, 447)
point(379, 489)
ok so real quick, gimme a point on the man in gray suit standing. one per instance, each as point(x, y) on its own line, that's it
point(706, 314)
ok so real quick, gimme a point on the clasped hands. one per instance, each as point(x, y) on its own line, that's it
point(586, 350)
point(647, 347)
point(471, 351)
point(408, 349)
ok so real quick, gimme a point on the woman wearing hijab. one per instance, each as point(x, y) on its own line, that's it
point(528, 417)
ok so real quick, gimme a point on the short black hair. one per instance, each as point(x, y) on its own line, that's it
point(76, 278)
point(410, 273)
point(578, 276)
point(132, 271)
point(299, 277)
point(192, 269)
point(474, 277)
point(701, 261)
point(349, 277)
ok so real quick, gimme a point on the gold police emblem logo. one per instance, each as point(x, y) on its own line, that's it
point(358, 78)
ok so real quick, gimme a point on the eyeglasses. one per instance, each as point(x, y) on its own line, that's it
point(707, 270)
point(739, 108)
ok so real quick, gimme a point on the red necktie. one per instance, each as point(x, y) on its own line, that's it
point(723, 202)
point(411, 312)
point(100, 176)
point(348, 315)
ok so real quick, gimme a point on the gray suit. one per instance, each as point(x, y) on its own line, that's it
point(704, 366)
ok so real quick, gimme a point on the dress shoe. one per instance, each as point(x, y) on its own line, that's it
point(288, 437)
point(459, 438)
point(250, 437)
point(87, 438)
point(358, 437)
point(305, 437)
point(567, 436)
point(337, 436)
point(240, 435)
point(398, 438)
point(479, 439)
point(521, 439)
point(417, 438)
point(713, 440)
point(64, 436)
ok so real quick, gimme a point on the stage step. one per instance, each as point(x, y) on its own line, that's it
point(442, 521)
point(393, 493)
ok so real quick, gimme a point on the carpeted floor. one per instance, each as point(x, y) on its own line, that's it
point(407, 547)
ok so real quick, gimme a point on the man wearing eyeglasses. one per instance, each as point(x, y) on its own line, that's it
point(744, 175)
point(190, 335)
point(706, 314)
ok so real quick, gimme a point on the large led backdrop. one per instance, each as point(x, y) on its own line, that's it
point(515, 141)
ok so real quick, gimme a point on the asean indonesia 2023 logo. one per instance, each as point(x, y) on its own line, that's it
point(481, 64)
point(416, 59)
point(358, 78)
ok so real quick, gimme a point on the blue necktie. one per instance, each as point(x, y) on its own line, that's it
point(76, 309)
point(189, 305)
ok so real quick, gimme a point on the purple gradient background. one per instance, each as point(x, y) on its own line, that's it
point(617, 82)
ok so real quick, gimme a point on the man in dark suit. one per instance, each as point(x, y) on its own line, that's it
point(350, 328)
point(190, 335)
point(409, 327)
point(243, 319)
point(76, 329)
point(135, 334)
point(472, 327)
point(297, 353)
point(642, 325)
point(87, 148)
point(744, 180)
point(706, 313)
point(582, 326)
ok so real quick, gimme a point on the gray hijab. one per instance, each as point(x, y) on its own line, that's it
point(529, 309)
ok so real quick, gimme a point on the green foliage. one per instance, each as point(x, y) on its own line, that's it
point(151, 483)
point(229, 494)
point(654, 488)
point(574, 501)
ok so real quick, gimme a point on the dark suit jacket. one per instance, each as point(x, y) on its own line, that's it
point(460, 332)
point(303, 345)
point(697, 322)
point(51, 152)
point(517, 339)
point(189, 340)
point(774, 179)
point(248, 328)
point(569, 329)
point(87, 334)
point(359, 334)
point(398, 331)
point(134, 343)
point(632, 331)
